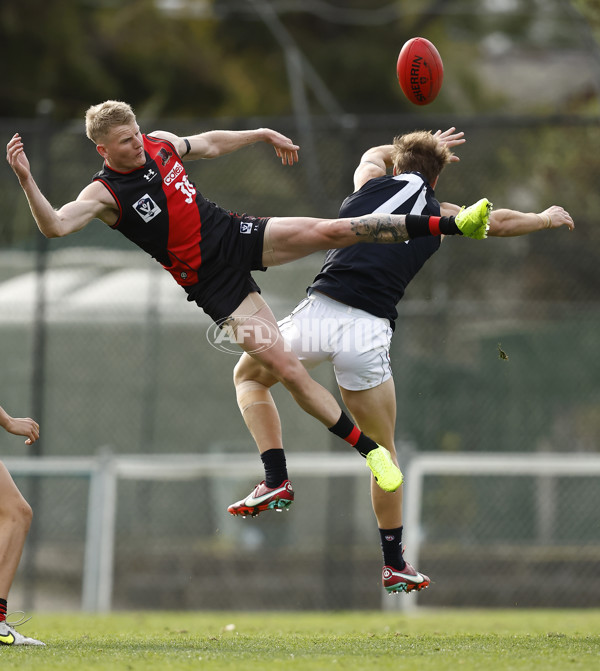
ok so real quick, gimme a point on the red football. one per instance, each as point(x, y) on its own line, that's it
point(420, 71)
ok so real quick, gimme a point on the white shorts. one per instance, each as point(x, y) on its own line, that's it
point(357, 343)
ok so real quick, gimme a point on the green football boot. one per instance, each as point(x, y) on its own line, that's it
point(474, 221)
point(387, 475)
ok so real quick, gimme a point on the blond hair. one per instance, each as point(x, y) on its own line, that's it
point(99, 119)
point(420, 152)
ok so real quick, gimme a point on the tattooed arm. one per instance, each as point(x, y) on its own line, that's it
point(380, 228)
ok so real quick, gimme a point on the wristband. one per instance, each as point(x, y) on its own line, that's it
point(420, 225)
point(188, 145)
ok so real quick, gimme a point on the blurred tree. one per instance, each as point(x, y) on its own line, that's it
point(78, 53)
point(220, 58)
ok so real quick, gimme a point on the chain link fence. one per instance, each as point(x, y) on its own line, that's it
point(512, 541)
point(496, 350)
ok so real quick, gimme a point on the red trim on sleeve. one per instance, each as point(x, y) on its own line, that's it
point(114, 195)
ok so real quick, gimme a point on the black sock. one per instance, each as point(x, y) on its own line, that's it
point(419, 225)
point(275, 467)
point(345, 429)
point(391, 545)
point(2, 610)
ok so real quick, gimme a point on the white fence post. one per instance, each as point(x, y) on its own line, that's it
point(100, 537)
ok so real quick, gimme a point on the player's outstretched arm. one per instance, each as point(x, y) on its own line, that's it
point(20, 426)
point(215, 143)
point(373, 163)
point(69, 218)
point(511, 223)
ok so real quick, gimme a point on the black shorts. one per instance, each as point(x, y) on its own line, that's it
point(224, 280)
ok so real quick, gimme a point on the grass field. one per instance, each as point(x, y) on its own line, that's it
point(429, 640)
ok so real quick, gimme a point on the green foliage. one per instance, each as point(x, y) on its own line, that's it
point(221, 58)
point(590, 9)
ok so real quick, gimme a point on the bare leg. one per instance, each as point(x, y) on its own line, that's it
point(260, 338)
point(15, 520)
point(292, 238)
point(258, 408)
point(283, 366)
point(266, 362)
point(374, 411)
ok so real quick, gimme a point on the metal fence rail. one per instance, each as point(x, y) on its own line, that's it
point(106, 471)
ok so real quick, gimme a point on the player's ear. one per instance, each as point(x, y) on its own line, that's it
point(101, 149)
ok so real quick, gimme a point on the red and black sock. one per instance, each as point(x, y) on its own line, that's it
point(345, 429)
point(391, 546)
point(2, 610)
point(275, 467)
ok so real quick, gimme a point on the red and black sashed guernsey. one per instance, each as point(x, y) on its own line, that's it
point(161, 211)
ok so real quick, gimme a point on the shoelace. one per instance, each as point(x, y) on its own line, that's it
point(18, 623)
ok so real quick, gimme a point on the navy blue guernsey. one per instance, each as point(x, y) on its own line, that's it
point(161, 211)
point(373, 277)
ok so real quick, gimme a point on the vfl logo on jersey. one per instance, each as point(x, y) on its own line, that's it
point(164, 155)
point(170, 177)
point(246, 227)
point(146, 208)
point(150, 175)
